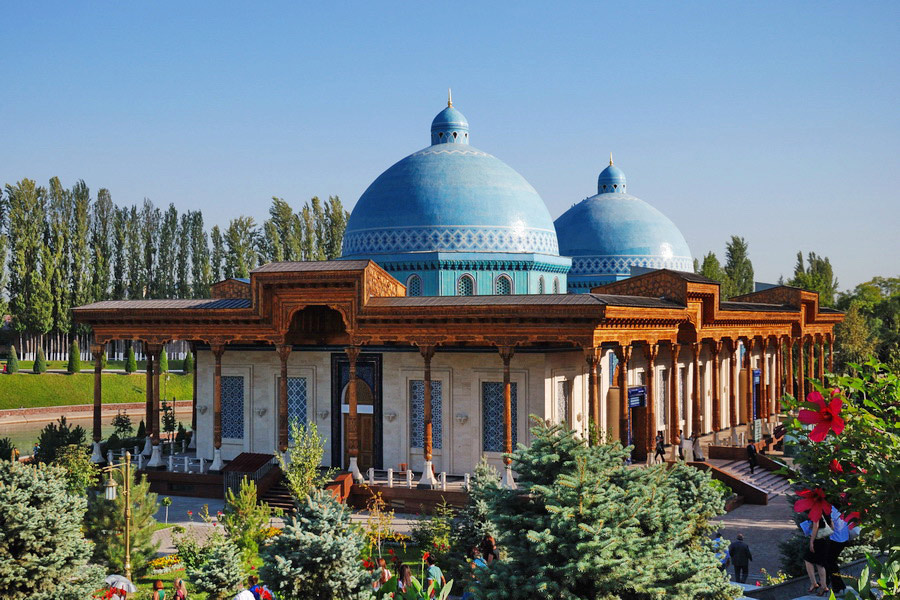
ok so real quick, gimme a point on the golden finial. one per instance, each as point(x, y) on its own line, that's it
point(449, 97)
point(610, 159)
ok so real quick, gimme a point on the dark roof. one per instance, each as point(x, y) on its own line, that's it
point(755, 306)
point(526, 300)
point(828, 309)
point(199, 304)
point(692, 277)
point(313, 265)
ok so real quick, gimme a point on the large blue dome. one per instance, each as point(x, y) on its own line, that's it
point(449, 197)
point(608, 234)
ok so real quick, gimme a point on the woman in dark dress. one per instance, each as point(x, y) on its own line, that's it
point(817, 553)
point(660, 448)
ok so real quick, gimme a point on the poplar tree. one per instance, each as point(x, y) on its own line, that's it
point(738, 267)
point(816, 276)
point(336, 218)
point(57, 267)
point(165, 281)
point(241, 239)
point(149, 235)
point(120, 258)
point(218, 254)
point(29, 298)
point(287, 226)
point(136, 282)
point(103, 232)
point(183, 257)
point(321, 226)
point(79, 230)
point(4, 242)
point(308, 228)
point(200, 259)
point(274, 249)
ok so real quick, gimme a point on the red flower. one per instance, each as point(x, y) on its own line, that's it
point(391, 551)
point(425, 556)
point(835, 466)
point(852, 519)
point(190, 512)
point(813, 501)
point(825, 419)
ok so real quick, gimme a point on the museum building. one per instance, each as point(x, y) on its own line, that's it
point(458, 309)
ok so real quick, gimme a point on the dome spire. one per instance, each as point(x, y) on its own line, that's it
point(610, 159)
point(611, 180)
point(449, 97)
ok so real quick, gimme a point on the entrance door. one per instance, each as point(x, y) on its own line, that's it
point(365, 405)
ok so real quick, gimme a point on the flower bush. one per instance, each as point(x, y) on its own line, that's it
point(165, 564)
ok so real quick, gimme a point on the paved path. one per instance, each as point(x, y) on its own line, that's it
point(763, 527)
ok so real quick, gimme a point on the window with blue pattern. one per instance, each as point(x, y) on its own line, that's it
point(465, 286)
point(297, 403)
point(504, 286)
point(541, 285)
point(556, 285)
point(417, 413)
point(414, 286)
point(492, 415)
point(233, 407)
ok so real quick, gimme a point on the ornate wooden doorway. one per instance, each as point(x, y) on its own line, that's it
point(369, 409)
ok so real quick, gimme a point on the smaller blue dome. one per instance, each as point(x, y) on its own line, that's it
point(449, 127)
point(611, 180)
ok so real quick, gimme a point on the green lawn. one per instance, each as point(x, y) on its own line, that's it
point(25, 389)
point(27, 365)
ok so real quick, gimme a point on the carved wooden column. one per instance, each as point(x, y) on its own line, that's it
point(789, 364)
point(148, 388)
point(801, 377)
point(779, 374)
point(732, 386)
point(592, 357)
point(695, 391)
point(353, 417)
point(284, 352)
point(428, 480)
point(716, 348)
point(651, 351)
point(97, 352)
point(831, 352)
point(821, 371)
point(506, 354)
point(624, 355)
point(193, 444)
point(811, 362)
point(674, 396)
point(217, 351)
point(156, 459)
point(748, 363)
point(764, 411)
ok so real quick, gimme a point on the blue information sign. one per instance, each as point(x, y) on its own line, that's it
point(637, 396)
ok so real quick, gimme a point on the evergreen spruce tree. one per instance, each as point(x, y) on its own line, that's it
point(12, 365)
point(164, 361)
point(105, 520)
point(130, 362)
point(142, 430)
point(582, 525)
point(221, 572)
point(44, 551)
point(317, 554)
point(74, 365)
point(40, 362)
point(188, 363)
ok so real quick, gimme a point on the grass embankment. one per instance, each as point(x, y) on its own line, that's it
point(26, 390)
point(88, 365)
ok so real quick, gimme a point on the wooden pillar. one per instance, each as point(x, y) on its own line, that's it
point(651, 351)
point(148, 371)
point(779, 373)
point(428, 447)
point(821, 371)
point(624, 355)
point(284, 352)
point(748, 363)
point(592, 357)
point(811, 362)
point(716, 348)
point(217, 351)
point(506, 354)
point(97, 352)
point(695, 390)
point(801, 377)
point(193, 350)
point(157, 431)
point(353, 416)
point(763, 382)
point(831, 352)
point(789, 364)
point(732, 385)
point(674, 396)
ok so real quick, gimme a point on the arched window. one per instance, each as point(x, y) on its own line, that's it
point(503, 286)
point(414, 286)
point(465, 286)
point(541, 285)
point(556, 285)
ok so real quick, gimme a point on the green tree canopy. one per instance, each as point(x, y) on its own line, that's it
point(815, 276)
point(738, 268)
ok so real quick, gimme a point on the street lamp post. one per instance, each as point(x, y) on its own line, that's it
point(110, 491)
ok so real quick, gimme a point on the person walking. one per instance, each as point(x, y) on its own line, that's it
point(384, 575)
point(660, 455)
point(816, 557)
point(158, 592)
point(751, 455)
point(676, 447)
point(434, 577)
point(721, 551)
point(404, 578)
point(180, 590)
point(698, 449)
point(740, 558)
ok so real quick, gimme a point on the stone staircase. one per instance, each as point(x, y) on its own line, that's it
point(772, 483)
point(278, 496)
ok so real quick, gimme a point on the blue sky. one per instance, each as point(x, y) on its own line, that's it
point(775, 121)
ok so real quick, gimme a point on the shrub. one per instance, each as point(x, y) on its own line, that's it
point(12, 365)
point(74, 364)
point(122, 423)
point(221, 572)
point(130, 362)
point(164, 361)
point(303, 474)
point(189, 363)
point(40, 363)
point(58, 435)
point(245, 518)
point(142, 431)
point(6, 448)
point(722, 488)
point(81, 473)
